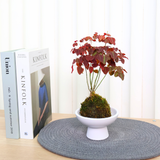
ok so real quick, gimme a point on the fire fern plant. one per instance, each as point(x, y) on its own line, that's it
point(96, 60)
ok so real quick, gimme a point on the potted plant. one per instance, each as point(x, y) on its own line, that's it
point(94, 61)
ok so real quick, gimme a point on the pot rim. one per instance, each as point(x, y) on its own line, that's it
point(99, 119)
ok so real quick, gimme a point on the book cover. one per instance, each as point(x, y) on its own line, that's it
point(34, 97)
point(8, 67)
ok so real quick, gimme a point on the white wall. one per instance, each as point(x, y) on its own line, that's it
point(56, 24)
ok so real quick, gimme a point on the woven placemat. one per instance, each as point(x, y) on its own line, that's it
point(128, 140)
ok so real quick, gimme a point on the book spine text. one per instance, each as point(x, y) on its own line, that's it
point(24, 94)
point(10, 94)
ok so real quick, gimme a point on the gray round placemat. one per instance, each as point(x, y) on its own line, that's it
point(128, 140)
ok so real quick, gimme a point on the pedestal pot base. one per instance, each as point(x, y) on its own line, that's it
point(97, 134)
point(97, 127)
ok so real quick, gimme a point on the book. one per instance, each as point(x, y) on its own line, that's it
point(8, 67)
point(34, 97)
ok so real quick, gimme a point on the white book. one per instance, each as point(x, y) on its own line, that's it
point(34, 97)
point(8, 66)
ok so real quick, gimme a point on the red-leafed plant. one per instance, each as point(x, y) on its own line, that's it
point(97, 59)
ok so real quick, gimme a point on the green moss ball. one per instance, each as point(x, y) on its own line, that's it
point(95, 107)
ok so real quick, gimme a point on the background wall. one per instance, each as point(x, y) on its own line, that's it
point(56, 24)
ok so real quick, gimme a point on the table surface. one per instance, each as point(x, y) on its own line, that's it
point(25, 149)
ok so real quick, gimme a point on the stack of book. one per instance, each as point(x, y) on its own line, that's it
point(26, 91)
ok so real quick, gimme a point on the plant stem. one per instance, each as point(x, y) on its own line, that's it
point(92, 77)
point(100, 82)
point(87, 80)
point(97, 79)
point(91, 87)
point(90, 80)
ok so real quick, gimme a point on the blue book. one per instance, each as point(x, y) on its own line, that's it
point(8, 66)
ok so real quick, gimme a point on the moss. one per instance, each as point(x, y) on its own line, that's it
point(95, 106)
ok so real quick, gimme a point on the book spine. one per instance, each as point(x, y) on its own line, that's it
point(8, 67)
point(24, 94)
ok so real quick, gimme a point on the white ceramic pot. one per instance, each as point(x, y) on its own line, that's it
point(97, 127)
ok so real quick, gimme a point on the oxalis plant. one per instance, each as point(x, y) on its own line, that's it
point(94, 61)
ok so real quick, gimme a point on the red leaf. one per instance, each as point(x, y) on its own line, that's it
point(82, 40)
point(122, 55)
point(116, 59)
point(73, 61)
point(88, 38)
point(79, 60)
point(113, 68)
point(111, 73)
point(101, 38)
point(119, 72)
point(107, 58)
point(121, 75)
point(112, 53)
point(73, 50)
point(116, 74)
point(94, 63)
point(85, 62)
point(89, 58)
point(122, 60)
point(75, 44)
point(80, 69)
point(99, 57)
point(95, 36)
point(106, 34)
point(110, 40)
point(72, 69)
point(125, 70)
point(90, 69)
point(111, 63)
point(119, 69)
point(105, 70)
point(102, 66)
point(95, 71)
point(78, 64)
